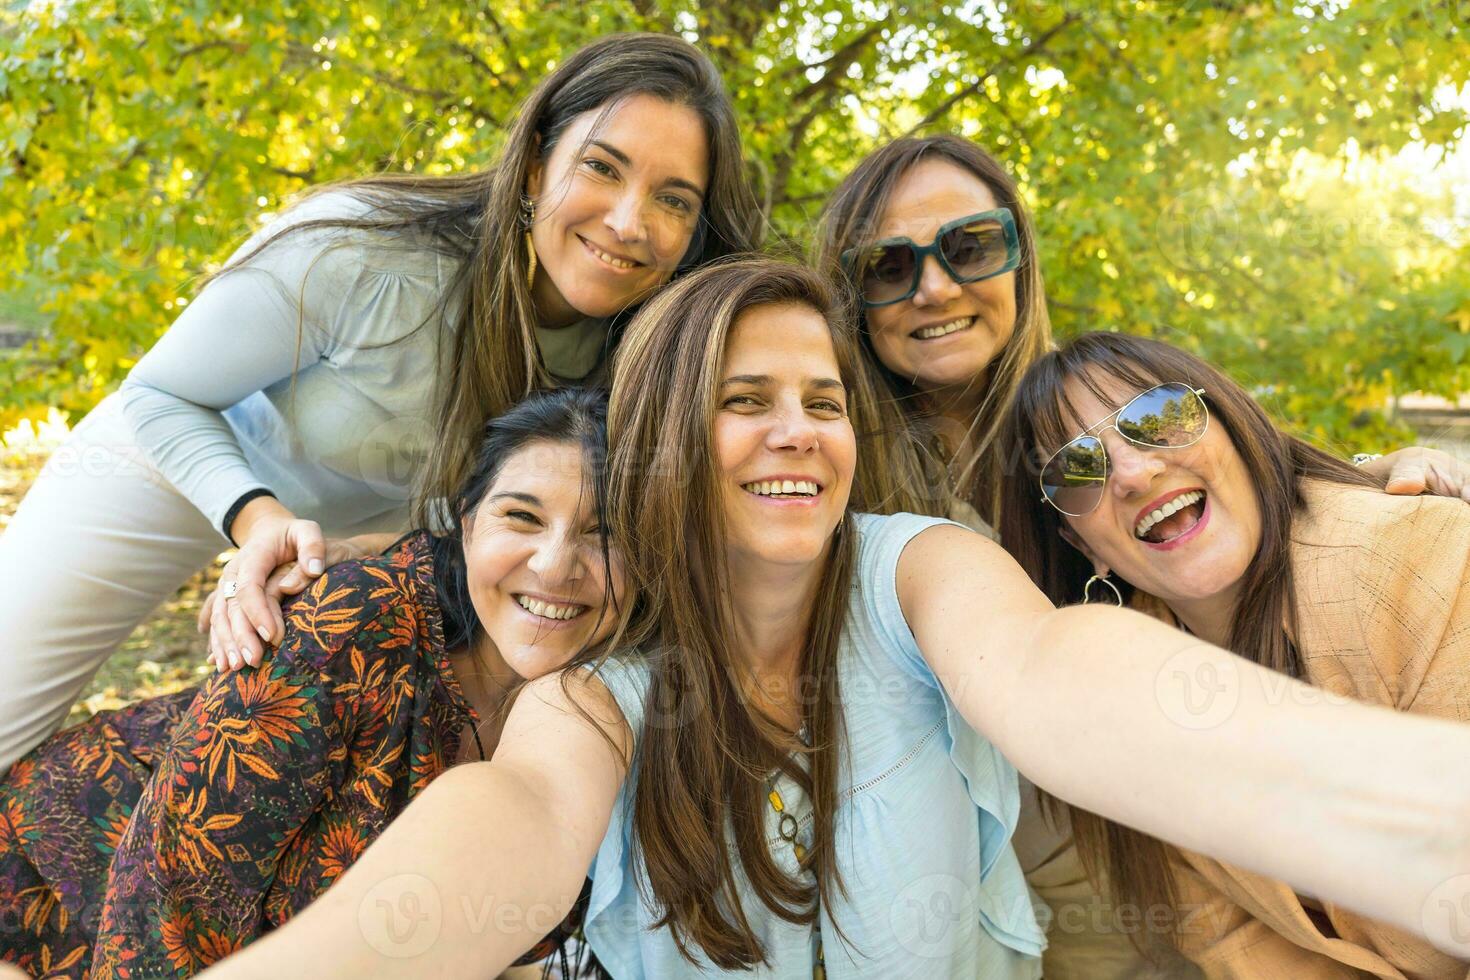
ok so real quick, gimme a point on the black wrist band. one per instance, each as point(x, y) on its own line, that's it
point(238, 506)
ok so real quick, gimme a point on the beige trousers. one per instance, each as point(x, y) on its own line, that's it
point(100, 540)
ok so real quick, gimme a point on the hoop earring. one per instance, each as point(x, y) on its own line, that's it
point(1108, 581)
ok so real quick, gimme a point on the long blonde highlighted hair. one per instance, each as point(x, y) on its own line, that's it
point(704, 750)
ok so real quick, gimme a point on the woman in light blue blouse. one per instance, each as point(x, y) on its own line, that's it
point(801, 763)
point(343, 364)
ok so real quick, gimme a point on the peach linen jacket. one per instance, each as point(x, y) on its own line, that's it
point(1383, 615)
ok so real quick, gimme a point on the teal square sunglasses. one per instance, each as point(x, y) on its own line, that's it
point(968, 249)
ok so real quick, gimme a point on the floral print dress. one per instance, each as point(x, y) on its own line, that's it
point(156, 840)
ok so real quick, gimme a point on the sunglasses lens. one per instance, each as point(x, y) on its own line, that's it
point(1168, 416)
point(888, 274)
point(1073, 479)
point(976, 250)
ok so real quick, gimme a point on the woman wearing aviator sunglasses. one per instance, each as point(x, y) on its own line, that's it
point(1162, 478)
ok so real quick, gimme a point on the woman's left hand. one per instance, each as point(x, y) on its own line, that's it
point(1417, 470)
point(289, 579)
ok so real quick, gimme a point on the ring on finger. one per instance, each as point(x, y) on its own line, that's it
point(228, 589)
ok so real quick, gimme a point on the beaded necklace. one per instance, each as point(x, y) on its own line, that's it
point(788, 826)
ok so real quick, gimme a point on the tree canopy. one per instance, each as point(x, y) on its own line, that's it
point(1254, 180)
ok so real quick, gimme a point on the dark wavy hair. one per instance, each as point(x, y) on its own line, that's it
point(564, 415)
point(1133, 864)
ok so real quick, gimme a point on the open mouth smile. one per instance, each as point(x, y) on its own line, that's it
point(1173, 519)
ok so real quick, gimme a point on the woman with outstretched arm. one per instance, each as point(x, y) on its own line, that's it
point(802, 760)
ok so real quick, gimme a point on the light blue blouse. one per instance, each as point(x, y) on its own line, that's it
point(925, 815)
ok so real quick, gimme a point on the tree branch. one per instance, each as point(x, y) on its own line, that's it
point(479, 63)
point(208, 172)
point(1117, 55)
point(969, 90)
point(818, 95)
point(837, 63)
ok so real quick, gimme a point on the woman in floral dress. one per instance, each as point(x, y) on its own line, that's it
point(158, 839)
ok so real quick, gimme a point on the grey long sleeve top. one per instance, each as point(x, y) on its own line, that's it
point(361, 321)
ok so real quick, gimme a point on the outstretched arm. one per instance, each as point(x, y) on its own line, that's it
point(1141, 723)
point(480, 867)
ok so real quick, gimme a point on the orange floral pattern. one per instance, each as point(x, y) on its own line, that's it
point(156, 840)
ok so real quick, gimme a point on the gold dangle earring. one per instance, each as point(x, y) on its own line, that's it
point(527, 217)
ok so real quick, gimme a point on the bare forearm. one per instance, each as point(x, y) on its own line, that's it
point(1141, 723)
point(464, 881)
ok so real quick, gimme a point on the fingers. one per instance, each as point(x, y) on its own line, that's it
point(264, 571)
point(247, 640)
point(258, 616)
point(1417, 471)
point(220, 637)
point(285, 575)
point(311, 548)
point(289, 580)
point(1448, 477)
point(1409, 475)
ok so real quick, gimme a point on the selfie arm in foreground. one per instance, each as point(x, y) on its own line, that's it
point(1144, 724)
point(477, 869)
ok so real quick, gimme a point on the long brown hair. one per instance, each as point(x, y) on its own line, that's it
point(851, 219)
point(1133, 864)
point(704, 749)
point(492, 360)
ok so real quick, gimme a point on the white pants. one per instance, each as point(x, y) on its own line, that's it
point(98, 542)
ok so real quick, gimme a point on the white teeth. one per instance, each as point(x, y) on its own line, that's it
point(549, 610)
point(766, 488)
point(610, 260)
point(1172, 507)
point(944, 329)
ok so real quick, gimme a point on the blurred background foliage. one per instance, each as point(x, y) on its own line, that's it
point(1278, 186)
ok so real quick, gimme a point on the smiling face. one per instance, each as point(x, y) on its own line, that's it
point(1195, 506)
point(784, 445)
point(617, 205)
point(972, 321)
point(534, 562)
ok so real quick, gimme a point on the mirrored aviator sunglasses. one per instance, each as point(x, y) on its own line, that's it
point(1167, 416)
point(968, 249)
